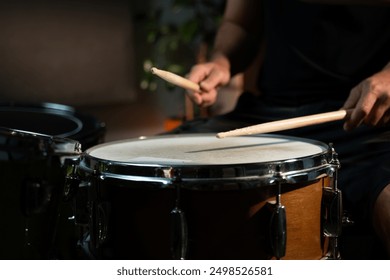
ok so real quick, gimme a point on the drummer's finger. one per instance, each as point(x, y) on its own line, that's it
point(198, 73)
point(208, 98)
point(214, 80)
point(353, 98)
point(378, 111)
point(350, 103)
point(196, 97)
point(362, 110)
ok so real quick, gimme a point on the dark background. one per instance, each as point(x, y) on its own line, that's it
point(92, 55)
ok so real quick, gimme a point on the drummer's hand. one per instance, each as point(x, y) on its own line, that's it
point(370, 101)
point(210, 76)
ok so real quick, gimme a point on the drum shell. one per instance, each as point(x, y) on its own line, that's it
point(128, 221)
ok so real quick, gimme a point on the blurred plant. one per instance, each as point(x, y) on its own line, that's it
point(180, 32)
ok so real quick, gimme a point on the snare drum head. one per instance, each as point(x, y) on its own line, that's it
point(205, 150)
point(203, 156)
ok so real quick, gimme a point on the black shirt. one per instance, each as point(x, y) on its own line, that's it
point(320, 52)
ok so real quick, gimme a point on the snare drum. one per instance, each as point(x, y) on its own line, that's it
point(32, 186)
point(200, 197)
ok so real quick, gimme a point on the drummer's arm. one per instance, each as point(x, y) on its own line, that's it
point(239, 35)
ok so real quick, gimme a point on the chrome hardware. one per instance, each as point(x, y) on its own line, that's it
point(179, 230)
point(335, 212)
point(99, 212)
point(72, 179)
point(278, 231)
point(179, 234)
point(99, 229)
point(332, 209)
point(332, 212)
point(278, 227)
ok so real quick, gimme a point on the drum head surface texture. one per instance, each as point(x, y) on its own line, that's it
point(207, 150)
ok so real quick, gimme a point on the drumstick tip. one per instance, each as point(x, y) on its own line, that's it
point(153, 70)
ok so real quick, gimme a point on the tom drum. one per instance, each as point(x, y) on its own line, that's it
point(32, 187)
point(30, 135)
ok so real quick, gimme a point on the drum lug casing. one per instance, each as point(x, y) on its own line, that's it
point(179, 228)
point(278, 231)
point(333, 218)
point(332, 212)
point(332, 209)
point(278, 225)
point(72, 179)
point(179, 234)
point(75, 190)
point(98, 211)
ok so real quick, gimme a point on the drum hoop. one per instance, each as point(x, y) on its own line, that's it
point(85, 125)
point(39, 143)
point(300, 169)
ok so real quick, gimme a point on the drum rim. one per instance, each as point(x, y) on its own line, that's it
point(86, 124)
point(38, 143)
point(295, 170)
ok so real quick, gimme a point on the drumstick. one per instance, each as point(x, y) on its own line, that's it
point(176, 79)
point(286, 124)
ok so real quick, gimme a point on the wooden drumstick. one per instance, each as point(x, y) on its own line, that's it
point(286, 124)
point(176, 79)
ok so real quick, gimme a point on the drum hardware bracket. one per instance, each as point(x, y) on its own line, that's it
point(76, 194)
point(67, 149)
point(169, 173)
point(72, 179)
point(179, 234)
point(278, 227)
point(101, 223)
point(179, 228)
point(332, 210)
point(336, 209)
